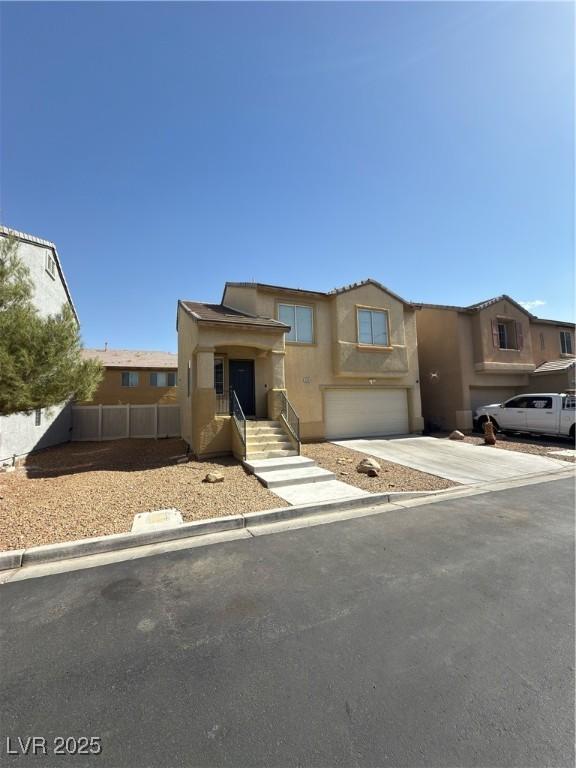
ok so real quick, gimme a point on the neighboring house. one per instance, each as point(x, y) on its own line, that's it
point(486, 353)
point(346, 361)
point(24, 432)
point(136, 377)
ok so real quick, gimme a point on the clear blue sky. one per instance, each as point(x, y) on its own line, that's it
point(166, 148)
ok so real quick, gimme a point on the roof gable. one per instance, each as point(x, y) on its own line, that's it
point(369, 281)
point(504, 297)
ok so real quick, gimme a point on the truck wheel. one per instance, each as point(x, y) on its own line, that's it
point(572, 431)
point(496, 426)
point(479, 424)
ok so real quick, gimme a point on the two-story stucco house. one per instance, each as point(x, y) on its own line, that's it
point(135, 376)
point(486, 353)
point(24, 432)
point(322, 365)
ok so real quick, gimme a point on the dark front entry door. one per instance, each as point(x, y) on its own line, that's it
point(241, 375)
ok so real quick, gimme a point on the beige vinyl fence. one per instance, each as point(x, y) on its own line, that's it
point(114, 422)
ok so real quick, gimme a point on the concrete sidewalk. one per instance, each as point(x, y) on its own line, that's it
point(456, 461)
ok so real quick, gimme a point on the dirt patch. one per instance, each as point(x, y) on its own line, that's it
point(393, 477)
point(93, 489)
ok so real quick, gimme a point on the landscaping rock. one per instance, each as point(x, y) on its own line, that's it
point(369, 467)
point(214, 477)
point(456, 435)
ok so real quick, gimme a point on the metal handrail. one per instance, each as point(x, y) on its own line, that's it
point(238, 415)
point(291, 418)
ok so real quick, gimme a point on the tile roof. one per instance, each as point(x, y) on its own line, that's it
point(47, 244)
point(333, 292)
point(219, 313)
point(131, 358)
point(274, 288)
point(553, 366)
point(565, 324)
point(471, 308)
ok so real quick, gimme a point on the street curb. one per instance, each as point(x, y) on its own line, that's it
point(19, 558)
point(11, 559)
point(81, 547)
point(98, 545)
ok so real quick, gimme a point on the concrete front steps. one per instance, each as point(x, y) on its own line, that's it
point(267, 439)
point(298, 480)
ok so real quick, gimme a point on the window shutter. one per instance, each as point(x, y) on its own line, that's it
point(495, 336)
point(519, 335)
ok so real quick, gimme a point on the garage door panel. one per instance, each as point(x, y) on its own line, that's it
point(480, 396)
point(366, 412)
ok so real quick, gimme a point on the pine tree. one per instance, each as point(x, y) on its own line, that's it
point(40, 357)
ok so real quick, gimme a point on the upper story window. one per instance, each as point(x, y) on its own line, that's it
point(566, 346)
point(301, 321)
point(162, 379)
point(373, 327)
point(130, 379)
point(542, 343)
point(507, 334)
point(50, 265)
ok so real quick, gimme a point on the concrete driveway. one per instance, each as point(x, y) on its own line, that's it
point(460, 462)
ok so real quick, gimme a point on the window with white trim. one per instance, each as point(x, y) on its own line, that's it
point(50, 265)
point(566, 343)
point(219, 375)
point(162, 379)
point(300, 318)
point(373, 327)
point(130, 379)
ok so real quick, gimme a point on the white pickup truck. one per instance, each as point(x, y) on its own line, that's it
point(547, 413)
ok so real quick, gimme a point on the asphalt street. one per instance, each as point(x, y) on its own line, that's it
point(439, 635)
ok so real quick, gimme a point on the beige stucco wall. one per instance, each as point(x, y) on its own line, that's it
point(441, 379)
point(242, 297)
point(551, 333)
point(311, 368)
point(485, 353)
point(187, 342)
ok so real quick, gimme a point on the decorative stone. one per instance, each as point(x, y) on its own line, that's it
point(369, 467)
point(456, 435)
point(214, 477)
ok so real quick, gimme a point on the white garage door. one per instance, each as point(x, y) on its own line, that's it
point(365, 412)
point(480, 396)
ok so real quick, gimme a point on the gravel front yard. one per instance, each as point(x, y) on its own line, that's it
point(80, 490)
point(393, 477)
point(541, 445)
